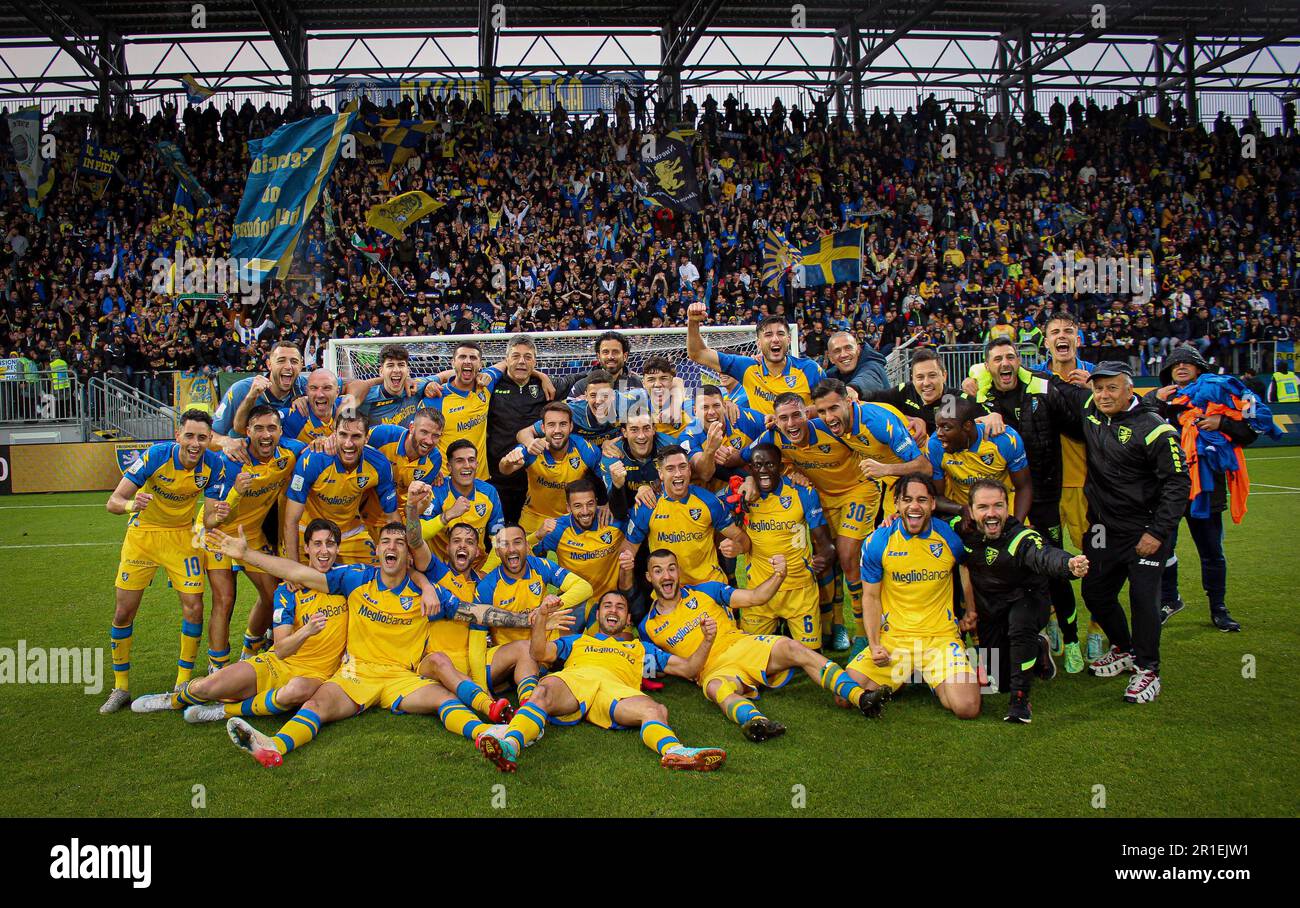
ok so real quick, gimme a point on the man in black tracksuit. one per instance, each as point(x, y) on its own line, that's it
point(1028, 403)
point(1010, 566)
point(919, 398)
point(1137, 490)
point(517, 401)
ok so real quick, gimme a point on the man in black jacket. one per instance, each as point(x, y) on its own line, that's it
point(1010, 565)
point(517, 401)
point(1184, 366)
point(1137, 490)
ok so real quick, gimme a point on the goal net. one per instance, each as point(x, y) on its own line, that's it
point(559, 353)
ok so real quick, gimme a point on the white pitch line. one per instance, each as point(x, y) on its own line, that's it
point(1264, 485)
point(58, 545)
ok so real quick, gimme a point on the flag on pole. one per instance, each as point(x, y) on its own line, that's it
point(399, 142)
point(194, 92)
point(175, 162)
point(835, 258)
point(400, 212)
point(36, 173)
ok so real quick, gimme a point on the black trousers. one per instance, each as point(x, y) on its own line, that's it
point(1047, 521)
point(512, 500)
point(1113, 561)
point(1009, 639)
point(1207, 533)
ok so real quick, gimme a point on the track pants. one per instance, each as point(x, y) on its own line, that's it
point(1111, 566)
point(1047, 521)
point(1009, 640)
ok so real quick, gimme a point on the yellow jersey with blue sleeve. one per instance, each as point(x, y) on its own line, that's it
point(686, 527)
point(452, 638)
point(736, 657)
point(162, 536)
point(762, 385)
point(391, 442)
point(320, 654)
point(986, 458)
point(600, 670)
point(548, 474)
point(917, 625)
point(485, 515)
point(592, 554)
point(334, 492)
point(248, 510)
point(739, 435)
point(878, 431)
point(308, 428)
point(465, 415)
point(781, 523)
point(519, 595)
point(382, 408)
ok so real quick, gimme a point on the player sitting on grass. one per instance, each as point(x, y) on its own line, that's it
point(600, 682)
point(389, 609)
point(310, 631)
point(740, 663)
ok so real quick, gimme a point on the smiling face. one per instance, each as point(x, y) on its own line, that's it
point(774, 341)
point(393, 552)
point(659, 386)
point(1003, 363)
point(675, 471)
point(639, 433)
point(916, 506)
point(350, 438)
point(263, 435)
point(836, 411)
point(512, 545)
point(661, 572)
point(1112, 393)
point(425, 434)
point(466, 363)
point(612, 614)
point(599, 397)
point(792, 420)
point(953, 433)
point(582, 507)
point(322, 391)
point(989, 509)
point(463, 466)
point(1062, 342)
point(462, 548)
point(521, 359)
point(322, 549)
point(283, 365)
point(928, 379)
point(556, 427)
point(395, 372)
point(611, 356)
point(193, 437)
point(843, 352)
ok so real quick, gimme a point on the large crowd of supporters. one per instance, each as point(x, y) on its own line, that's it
point(545, 228)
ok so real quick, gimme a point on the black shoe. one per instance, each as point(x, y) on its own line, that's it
point(760, 728)
point(873, 701)
point(1018, 709)
point(1169, 609)
point(1045, 666)
point(1222, 620)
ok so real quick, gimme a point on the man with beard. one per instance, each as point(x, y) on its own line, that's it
point(412, 452)
point(581, 545)
point(919, 399)
point(773, 372)
point(611, 355)
point(1010, 566)
point(552, 461)
point(465, 401)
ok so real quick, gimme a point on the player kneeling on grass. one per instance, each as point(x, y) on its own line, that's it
point(600, 682)
point(1010, 566)
point(739, 663)
point(389, 608)
point(907, 573)
point(310, 631)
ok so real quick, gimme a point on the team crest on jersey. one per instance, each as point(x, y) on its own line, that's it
point(607, 537)
point(532, 389)
point(281, 463)
point(535, 588)
point(695, 513)
point(789, 381)
point(990, 555)
point(936, 549)
point(1125, 433)
point(825, 449)
point(362, 481)
point(785, 500)
point(480, 510)
point(200, 481)
point(986, 459)
point(419, 474)
point(406, 601)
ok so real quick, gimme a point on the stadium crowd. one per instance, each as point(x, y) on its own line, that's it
point(545, 229)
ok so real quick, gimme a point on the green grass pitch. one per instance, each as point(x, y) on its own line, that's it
point(1216, 743)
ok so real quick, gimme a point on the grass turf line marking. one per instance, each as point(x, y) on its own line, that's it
point(38, 507)
point(57, 545)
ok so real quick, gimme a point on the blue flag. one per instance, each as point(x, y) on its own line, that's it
point(833, 259)
point(290, 168)
point(175, 161)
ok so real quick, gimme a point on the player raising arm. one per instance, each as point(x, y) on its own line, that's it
point(600, 682)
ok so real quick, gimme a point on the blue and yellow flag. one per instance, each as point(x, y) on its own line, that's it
point(400, 141)
point(183, 212)
point(290, 167)
point(36, 172)
point(834, 259)
point(194, 92)
point(175, 161)
point(400, 212)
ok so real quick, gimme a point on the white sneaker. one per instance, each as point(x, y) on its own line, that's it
point(117, 699)
point(253, 742)
point(151, 703)
point(205, 712)
point(1143, 687)
point(499, 732)
point(1112, 664)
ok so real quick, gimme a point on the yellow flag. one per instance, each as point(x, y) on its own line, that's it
point(400, 212)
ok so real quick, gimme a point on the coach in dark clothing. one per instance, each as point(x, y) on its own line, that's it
point(1184, 366)
point(860, 367)
point(517, 401)
point(1137, 491)
point(921, 397)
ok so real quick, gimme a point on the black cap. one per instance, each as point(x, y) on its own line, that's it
point(1111, 367)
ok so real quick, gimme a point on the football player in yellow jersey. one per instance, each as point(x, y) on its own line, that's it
point(739, 663)
point(773, 372)
point(413, 452)
point(582, 546)
point(684, 520)
point(257, 487)
point(464, 402)
point(389, 609)
point(665, 396)
point(161, 493)
point(462, 499)
point(907, 569)
point(786, 520)
point(552, 461)
point(310, 632)
point(310, 418)
point(960, 453)
point(600, 682)
point(715, 448)
point(335, 486)
point(519, 584)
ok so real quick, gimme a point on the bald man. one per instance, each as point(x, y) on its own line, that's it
point(857, 366)
point(311, 421)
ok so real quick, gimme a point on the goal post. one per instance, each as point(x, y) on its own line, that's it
point(559, 353)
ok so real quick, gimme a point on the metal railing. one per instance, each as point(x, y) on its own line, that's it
point(41, 397)
point(116, 409)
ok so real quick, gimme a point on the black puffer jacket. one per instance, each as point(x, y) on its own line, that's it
point(1015, 565)
point(1036, 409)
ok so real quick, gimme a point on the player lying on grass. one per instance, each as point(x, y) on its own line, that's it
point(310, 632)
point(739, 663)
point(600, 682)
point(389, 608)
